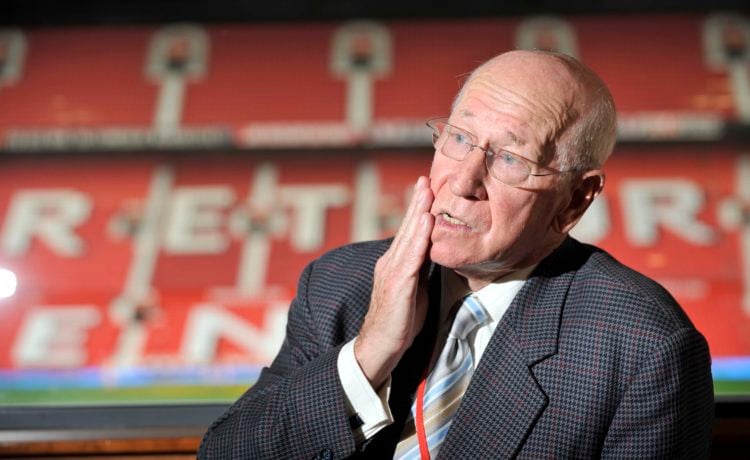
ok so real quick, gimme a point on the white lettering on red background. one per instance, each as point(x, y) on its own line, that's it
point(51, 216)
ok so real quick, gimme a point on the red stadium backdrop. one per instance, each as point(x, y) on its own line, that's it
point(310, 137)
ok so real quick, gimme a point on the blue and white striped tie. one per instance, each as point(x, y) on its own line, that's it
point(446, 383)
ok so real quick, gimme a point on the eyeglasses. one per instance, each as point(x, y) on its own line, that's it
point(505, 166)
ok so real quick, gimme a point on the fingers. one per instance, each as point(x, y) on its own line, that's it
point(413, 237)
point(417, 247)
point(410, 210)
point(398, 301)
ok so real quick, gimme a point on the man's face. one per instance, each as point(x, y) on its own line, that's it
point(484, 228)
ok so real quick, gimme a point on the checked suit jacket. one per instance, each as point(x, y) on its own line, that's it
point(591, 360)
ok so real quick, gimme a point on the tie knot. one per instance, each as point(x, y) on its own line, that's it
point(469, 316)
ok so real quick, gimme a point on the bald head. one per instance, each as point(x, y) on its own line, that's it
point(572, 100)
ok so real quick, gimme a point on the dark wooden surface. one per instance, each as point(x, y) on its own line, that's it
point(75, 444)
point(731, 439)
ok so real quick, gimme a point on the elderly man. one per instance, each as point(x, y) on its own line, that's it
point(482, 330)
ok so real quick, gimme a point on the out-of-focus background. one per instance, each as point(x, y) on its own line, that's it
point(168, 168)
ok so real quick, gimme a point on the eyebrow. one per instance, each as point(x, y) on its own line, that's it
point(514, 138)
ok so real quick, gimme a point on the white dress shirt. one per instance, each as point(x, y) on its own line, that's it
point(372, 405)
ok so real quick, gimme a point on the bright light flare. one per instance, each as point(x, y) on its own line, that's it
point(8, 283)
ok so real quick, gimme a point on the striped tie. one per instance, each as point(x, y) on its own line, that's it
point(446, 383)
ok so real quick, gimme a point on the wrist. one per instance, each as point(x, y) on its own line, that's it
point(375, 364)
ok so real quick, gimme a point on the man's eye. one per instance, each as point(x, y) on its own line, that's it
point(507, 158)
point(459, 138)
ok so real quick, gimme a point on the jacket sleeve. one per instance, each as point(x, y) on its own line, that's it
point(667, 409)
point(296, 409)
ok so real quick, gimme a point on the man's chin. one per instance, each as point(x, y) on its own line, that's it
point(448, 257)
point(469, 263)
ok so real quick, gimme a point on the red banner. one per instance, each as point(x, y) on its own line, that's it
point(189, 259)
point(194, 259)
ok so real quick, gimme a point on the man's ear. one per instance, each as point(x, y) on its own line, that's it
point(587, 188)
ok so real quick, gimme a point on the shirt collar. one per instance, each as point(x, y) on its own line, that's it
point(496, 296)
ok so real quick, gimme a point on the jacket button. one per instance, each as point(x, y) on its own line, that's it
point(325, 454)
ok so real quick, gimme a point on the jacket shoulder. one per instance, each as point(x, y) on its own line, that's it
point(624, 296)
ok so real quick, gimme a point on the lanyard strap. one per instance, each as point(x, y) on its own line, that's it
point(424, 449)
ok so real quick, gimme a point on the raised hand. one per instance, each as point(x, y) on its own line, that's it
point(398, 305)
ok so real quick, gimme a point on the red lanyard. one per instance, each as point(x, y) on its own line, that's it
point(424, 449)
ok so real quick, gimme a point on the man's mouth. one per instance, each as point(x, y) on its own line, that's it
point(452, 220)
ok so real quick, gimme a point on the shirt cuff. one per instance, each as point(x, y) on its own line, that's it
point(361, 399)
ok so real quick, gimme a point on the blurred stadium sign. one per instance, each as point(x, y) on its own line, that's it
point(142, 268)
point(135, 262)
point(356, 84)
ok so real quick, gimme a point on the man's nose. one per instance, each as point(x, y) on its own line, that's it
point(469, 176)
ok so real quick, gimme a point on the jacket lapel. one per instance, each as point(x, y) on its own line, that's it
point(505, 400)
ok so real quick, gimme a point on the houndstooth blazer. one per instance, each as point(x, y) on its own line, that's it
point(591, 360)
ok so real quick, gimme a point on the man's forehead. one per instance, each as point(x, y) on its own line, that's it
point(501, 134)
point(528, 65)
point(527, 78)
point(531, 97)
